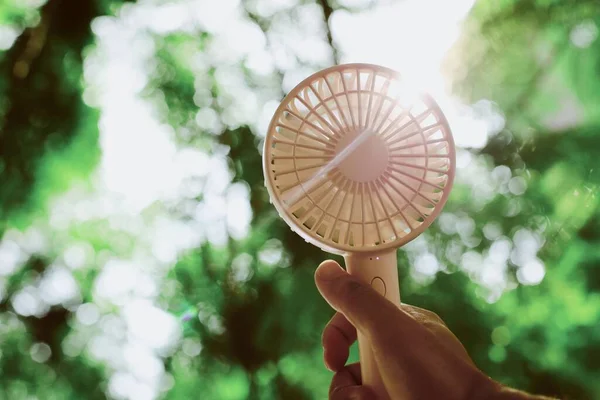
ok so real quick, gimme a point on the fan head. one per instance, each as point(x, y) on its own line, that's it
point(355, 161)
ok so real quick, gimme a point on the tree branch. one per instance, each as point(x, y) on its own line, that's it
point(327, 11)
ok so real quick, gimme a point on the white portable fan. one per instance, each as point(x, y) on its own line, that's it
point(358, 164)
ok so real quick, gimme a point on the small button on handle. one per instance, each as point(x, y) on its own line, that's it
point(379, 285)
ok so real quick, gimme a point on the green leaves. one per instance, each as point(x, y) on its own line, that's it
point(247, 306)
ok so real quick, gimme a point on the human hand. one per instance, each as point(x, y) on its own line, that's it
point(417, 356)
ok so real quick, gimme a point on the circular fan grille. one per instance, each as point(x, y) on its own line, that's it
point(355, 163)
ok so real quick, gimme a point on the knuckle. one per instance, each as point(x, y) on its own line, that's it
point(423, 315)
point(435, 317)
point(433, 326)
point(438, 319)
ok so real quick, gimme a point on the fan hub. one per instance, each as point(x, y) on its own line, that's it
point(366, 156)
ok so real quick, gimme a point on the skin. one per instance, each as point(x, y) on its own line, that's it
point(417, 355)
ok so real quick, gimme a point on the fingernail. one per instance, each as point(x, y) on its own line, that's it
point(329, 270)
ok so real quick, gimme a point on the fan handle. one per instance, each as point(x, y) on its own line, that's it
point(380, 270)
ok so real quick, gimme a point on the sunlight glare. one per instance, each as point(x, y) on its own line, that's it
point(151, 325)
point(413, 37)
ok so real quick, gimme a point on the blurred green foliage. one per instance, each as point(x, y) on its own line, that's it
point(259, 334)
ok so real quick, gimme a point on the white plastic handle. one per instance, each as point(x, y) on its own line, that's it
point(380, 270)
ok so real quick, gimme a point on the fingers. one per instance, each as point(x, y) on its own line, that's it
point(346, 385)
point(362, 305)
point(338, 336)
point(411, 346)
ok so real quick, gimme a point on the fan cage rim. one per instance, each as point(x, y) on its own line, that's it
point(341, 249)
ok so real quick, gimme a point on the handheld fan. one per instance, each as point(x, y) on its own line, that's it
point(359, 164)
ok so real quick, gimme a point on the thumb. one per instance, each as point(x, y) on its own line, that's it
point(360, 303)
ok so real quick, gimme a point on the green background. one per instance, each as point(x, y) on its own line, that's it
point(244, 313)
